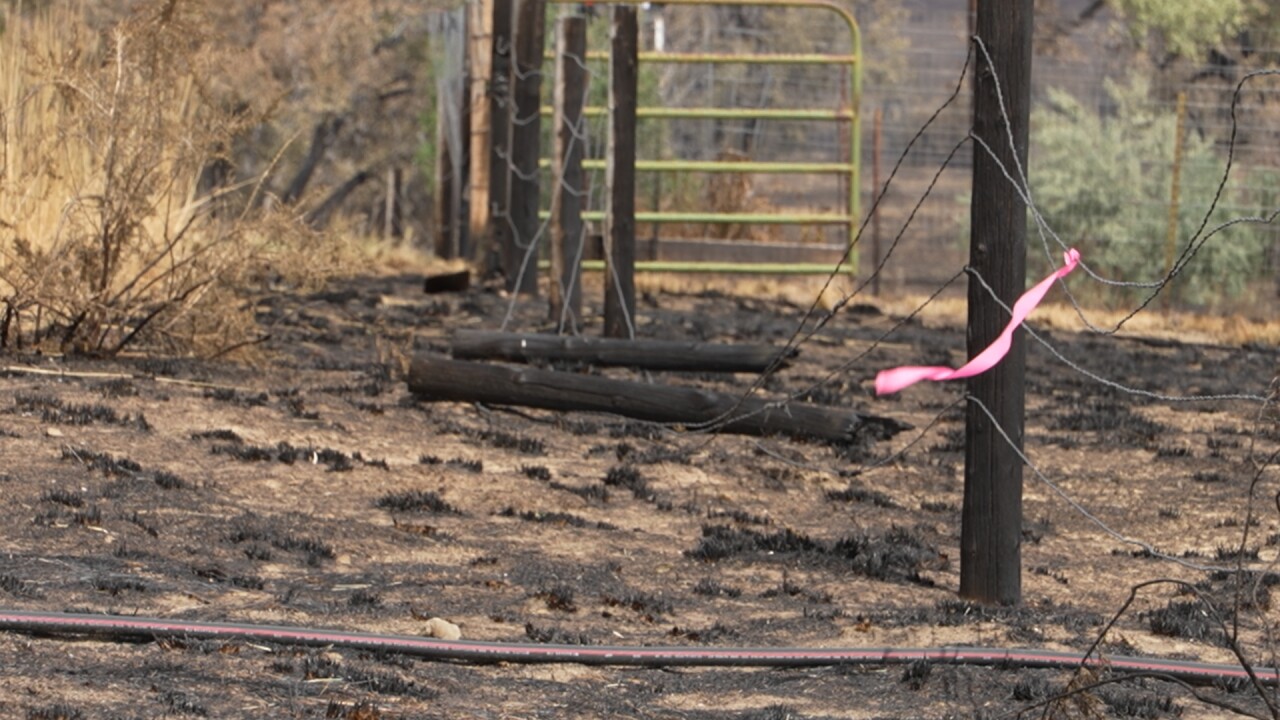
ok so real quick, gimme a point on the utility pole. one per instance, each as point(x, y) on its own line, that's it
point(991, 529)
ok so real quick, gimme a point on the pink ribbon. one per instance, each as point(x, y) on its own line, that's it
point(891, 381)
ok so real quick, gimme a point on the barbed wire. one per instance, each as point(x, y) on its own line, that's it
point(802, 334)
point(799, 339)
point(580, 142)
point(814, 319)
point(1022, 186)
point(1197, 241)
point(1098, 378)
point(1080, 508)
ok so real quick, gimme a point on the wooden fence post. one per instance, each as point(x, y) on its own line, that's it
point(1175, 193)
point(392, 207)
point(462, 163)
point(877, 128)
point(620, 173)
point(446, 170)
point(526, 134)
point(448, 68)
point(566, 172)
point(480, 61)
point(497, 257)
point(991, 530)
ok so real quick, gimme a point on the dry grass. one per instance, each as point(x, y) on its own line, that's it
point(108, 237)
point(1184, 326)
point(951, 309)
point(362, 254)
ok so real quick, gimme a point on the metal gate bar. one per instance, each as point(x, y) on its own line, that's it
point(850, 167)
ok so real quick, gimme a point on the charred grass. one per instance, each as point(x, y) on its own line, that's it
point(576, 531)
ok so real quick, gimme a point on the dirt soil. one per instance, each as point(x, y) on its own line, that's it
point(316, 491)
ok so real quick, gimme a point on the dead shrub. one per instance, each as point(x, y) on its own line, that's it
point(111, 234)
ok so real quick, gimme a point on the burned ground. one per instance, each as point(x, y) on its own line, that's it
point(314, 490)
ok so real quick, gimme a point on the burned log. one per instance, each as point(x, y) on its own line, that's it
point(447, 282)
point(433, 378)
point(648, 354)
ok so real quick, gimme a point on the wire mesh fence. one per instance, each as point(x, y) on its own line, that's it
point(699, 105)
point(1122, 134)
point(1105, 152)
point(1126, 153)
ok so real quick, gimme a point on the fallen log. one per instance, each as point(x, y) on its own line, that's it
point(434, 378)
point(648, 354)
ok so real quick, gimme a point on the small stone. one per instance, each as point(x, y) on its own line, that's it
point(53, 432)
point(442, 629)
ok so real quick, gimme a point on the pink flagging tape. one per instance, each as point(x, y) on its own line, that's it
point(895, 379)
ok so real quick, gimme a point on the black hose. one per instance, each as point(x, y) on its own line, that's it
point(125, 628)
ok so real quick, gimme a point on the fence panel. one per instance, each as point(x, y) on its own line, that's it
point(688, 111)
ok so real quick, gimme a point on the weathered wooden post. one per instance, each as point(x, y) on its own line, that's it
point(446, 54)
point(991, 531)
point(497, 256)
point(526, 133)
point(620, 174)
point(391, 205)
point(480, 62)
point(447, 170)
point(446, 210)
point(456, 125)
point(1175, 192)
point(877, 128)
point(566, 170)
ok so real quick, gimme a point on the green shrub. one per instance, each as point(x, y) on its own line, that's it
point(1103, 184)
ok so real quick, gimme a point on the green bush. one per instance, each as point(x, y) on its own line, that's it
point(1103, 184)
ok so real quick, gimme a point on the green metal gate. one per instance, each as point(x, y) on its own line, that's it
point(849, 166)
